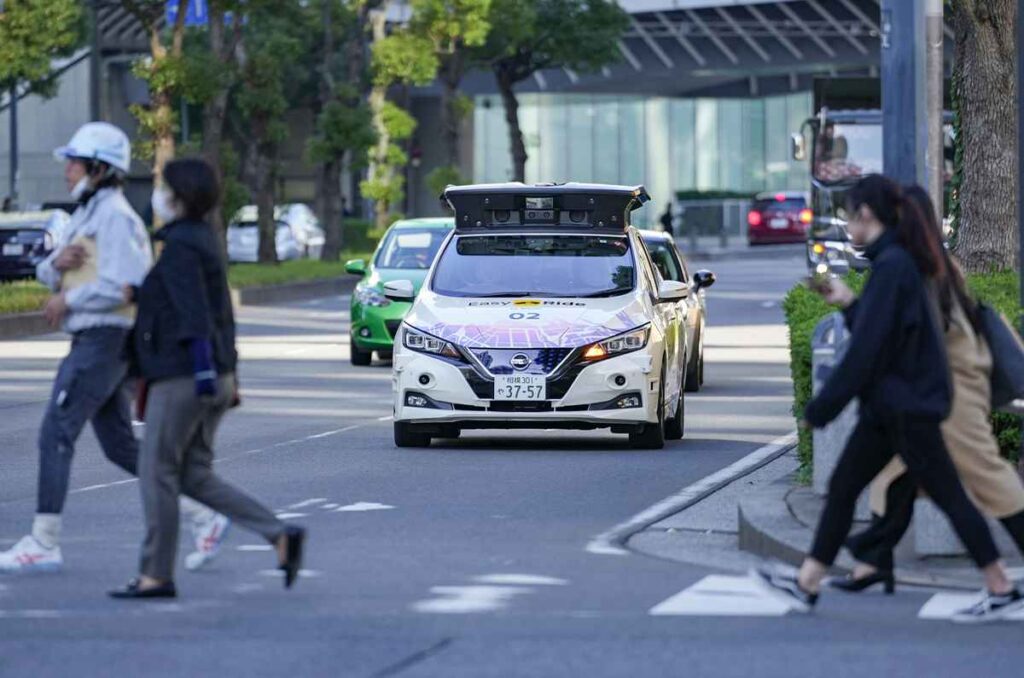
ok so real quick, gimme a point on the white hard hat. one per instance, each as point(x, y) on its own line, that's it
point(99, 141)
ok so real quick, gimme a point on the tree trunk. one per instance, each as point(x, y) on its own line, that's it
point(263, 185)
point(451, 76)
point(986, 87)
point(515, 132)
point(379, 168)
point(330, 197)
point(214, 115)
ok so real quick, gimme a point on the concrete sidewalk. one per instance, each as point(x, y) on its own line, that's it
point(766, 515)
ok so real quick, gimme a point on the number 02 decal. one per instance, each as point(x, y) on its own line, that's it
point(532, 315)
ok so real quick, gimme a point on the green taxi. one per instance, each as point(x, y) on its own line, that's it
point(405, 252)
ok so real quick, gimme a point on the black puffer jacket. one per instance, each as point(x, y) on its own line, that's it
point(896, 361)
point(184, 297)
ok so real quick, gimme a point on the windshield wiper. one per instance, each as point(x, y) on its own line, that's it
point(513, 294)
point(607, 293)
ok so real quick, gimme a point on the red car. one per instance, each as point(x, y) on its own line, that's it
point(776, 218)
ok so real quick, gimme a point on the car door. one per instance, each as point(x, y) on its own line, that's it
point(694, 304)
point(672, 320)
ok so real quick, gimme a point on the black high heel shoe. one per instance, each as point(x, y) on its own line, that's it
point(853, 584)
point(295, 538)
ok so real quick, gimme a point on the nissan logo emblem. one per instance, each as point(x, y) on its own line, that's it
point(520, 361)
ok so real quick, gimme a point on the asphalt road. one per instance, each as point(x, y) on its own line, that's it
point(467, 559)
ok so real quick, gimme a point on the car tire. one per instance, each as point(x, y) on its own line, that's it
point(357, 356)
point(652, 436)
point(695, 366)
point(406, 435)
point(675, 424)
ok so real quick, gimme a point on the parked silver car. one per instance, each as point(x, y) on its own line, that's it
point(244, 242)
point(298, 233)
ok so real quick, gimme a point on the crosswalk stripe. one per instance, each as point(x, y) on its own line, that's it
point(721, 596)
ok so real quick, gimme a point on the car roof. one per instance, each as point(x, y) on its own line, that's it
point(648, 234)
point(425, 222)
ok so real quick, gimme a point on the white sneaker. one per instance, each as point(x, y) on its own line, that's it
point(28, 555)
point(208, 535)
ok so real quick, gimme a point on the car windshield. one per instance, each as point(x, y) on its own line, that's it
point(410, 248)
point(844, 152)
point(775, 205)
point(536, 266)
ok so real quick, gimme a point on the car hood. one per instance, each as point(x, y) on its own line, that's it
point(378, 276)
point(526, 323)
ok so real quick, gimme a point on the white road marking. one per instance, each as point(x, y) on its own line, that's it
point(945, 605)
point(255, 547)
point(329, 507)
point(363, 506)
point(39, 614)
point(288, 516)
point(609, 542)
point(721, 596)
point(468, 599)
point(304, 574)
point(387, 418)
point(519, 580)
point(767, 304)
point(308, 502)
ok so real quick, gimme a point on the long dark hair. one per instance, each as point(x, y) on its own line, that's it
point(916, 228)
point(954, 286)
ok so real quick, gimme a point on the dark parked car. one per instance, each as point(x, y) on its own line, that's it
point(26, 238)
point(776, 218)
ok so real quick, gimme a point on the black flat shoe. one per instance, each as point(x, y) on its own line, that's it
point(295, 538)
point(132, 591)
point(853, 584)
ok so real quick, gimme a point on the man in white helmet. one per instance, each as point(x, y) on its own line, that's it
point(104, 248)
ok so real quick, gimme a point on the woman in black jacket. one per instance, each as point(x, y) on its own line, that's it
point(896, 365)
point(184, 349)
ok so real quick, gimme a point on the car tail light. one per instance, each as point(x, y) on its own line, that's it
point(754, 218)
point(806, 216)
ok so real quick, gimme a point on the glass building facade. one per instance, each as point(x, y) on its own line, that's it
point(668, 145)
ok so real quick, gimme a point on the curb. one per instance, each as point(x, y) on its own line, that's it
point(615, 541)
point(762, 252)
point(19, 325)
point(297, 291)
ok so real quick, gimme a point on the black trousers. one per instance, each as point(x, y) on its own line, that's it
point(875, 545)
point(919, 443)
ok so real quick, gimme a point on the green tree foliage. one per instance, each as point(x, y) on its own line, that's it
point(32, 34)
point(526, 37)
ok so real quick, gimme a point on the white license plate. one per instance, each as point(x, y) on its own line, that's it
point(14, 250)
point(520, 387)
point(779, 223)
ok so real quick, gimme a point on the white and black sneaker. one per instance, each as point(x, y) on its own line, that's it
point(784, 587)
point(991, 608)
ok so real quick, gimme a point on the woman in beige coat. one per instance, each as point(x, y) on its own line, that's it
point(990, 480)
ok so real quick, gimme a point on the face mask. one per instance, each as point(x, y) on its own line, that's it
point(79, 189)
point(163, 207)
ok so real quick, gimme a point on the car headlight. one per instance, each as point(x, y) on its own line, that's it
point(371, 296)
point(634, 340)
point(426, 343)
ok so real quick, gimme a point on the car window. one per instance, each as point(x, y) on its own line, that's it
point(543, 265)
point(664, 259)
point(787, 205)
point(410, 248)
point(648, 269)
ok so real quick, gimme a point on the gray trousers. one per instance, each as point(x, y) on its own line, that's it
point(90, 387)
point(177, 457)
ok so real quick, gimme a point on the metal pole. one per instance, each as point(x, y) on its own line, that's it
point(95, 57)
point(899, 89)
point(934, 158)
point(13, 192)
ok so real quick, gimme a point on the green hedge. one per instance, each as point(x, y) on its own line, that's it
point(805, 309)
point(693, 194)
point(22, 296)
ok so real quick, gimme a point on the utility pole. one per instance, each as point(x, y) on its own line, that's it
point(95, 63)
point(13, 119)
point(934, 157)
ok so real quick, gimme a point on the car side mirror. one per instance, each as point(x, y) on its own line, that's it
point(355, 267)
point(704, 279)
point(400, 290)
point(797, 147)
point(672, 290)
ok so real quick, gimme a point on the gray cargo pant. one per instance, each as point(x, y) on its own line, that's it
point(90, 386)
point(177, 457)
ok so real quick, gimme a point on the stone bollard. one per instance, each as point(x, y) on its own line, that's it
point(828, 344)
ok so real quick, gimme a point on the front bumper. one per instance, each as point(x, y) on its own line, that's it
point(581, 398)
point(19, 267)
point(374, 327)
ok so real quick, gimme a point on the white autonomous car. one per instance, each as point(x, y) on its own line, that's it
point(543, 310)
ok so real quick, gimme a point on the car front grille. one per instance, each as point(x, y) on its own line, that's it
point(541, 360)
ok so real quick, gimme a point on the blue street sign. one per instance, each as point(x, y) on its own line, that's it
point(196, 13)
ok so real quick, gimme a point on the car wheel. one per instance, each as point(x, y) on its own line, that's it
point(357, 356)
point(695, 366)
point(674, 425)
point(406, 435)
point(652, 436)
